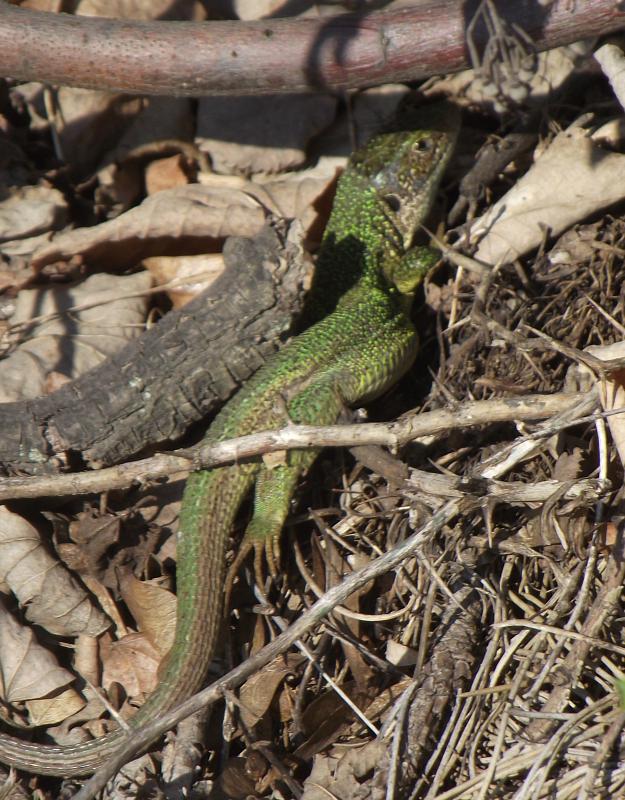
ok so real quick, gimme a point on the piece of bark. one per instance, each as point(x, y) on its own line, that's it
point(490, 162)
point(170, 377)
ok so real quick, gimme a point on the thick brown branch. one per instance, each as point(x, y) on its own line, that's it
point(282, 55)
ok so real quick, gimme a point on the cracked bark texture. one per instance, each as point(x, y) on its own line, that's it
point(170, 377)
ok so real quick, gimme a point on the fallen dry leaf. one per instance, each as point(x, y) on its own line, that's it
point(609, 533)
point(89, 123)
point(92, 535)
point(327, 717)
point(52, 710)
point(133, 663)
point(114, 311)
point(95, 128)
point(399, 655)
point(257, 692)
point(87, 657)
point(258, 9)
point(42, 5)
point(189, 274)
point(16, 270)
point(568, 466)
point(234, 782)
point(42, 584)
point(167, 173)
point(551, 69)
point(27, 670)
point(164, 123)
point(186, 219)
point(301, 195)
point(154, 609)
point(336, 772)
point(138, 9)
point(571, 180)
point(261, 133)
point(30, 211)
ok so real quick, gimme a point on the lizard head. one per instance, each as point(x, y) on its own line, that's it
point(403, 166)
point(382, 197)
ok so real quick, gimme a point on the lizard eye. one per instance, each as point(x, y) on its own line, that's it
point(393, 202)
point(423, 145)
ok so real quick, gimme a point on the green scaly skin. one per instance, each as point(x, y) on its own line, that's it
point(359, 343)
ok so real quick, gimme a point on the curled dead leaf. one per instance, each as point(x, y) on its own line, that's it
point(133, 663)
point(185, 219)
point(571, 180)
point(52, 597)
point(76, 328)
point(154, 610)
point(257, 693)
point(27, 670)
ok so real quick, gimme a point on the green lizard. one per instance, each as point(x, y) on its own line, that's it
point(360, 341)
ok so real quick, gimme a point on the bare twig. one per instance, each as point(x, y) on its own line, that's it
point(393, 435)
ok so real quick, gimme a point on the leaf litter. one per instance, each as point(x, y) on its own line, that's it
point(488, 663)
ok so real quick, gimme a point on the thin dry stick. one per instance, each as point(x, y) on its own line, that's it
point(392, 435)
point(607, 745)
point(591, 641)
point(512, 765)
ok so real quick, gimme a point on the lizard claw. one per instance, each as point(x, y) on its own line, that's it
point(266, 563)
point(270, 547)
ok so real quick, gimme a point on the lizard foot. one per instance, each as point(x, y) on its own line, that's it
point(266, 561)
point(272, 499)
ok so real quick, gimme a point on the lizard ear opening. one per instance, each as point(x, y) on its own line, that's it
point(393, 202)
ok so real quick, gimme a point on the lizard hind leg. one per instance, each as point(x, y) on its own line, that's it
point(272, 499)
point(320, 403)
